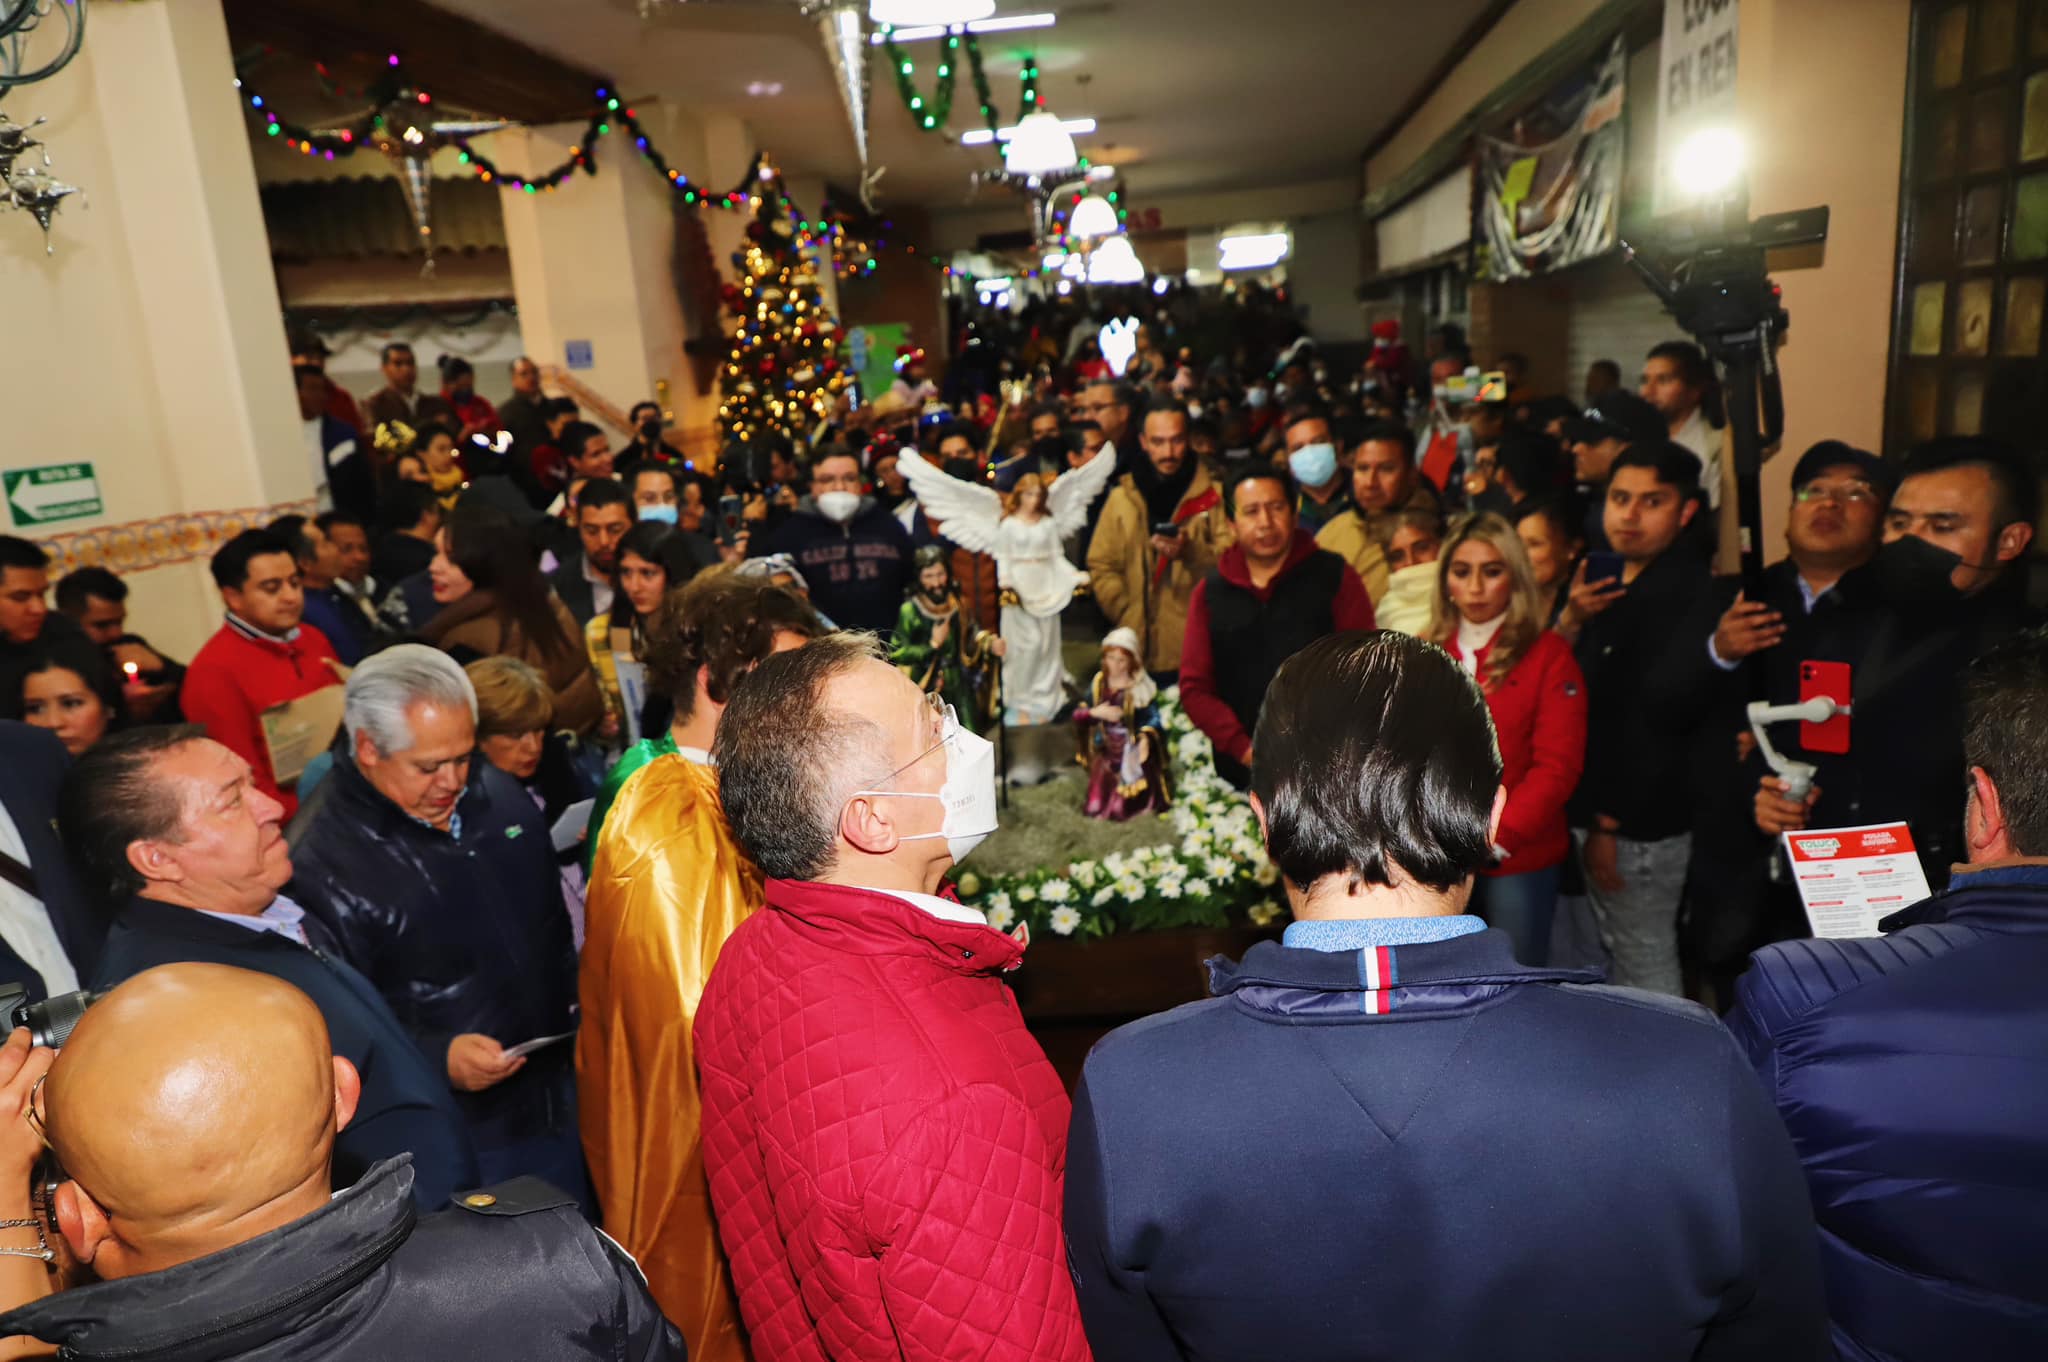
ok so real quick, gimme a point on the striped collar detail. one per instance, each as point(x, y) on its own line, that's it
point(1377, 971)
point(255, 635)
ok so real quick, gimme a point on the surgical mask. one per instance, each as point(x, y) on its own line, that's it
point(1916, 575)
point(838, 507)
point(665, 514)
point(1194, 411)
point(969, 793)
point(1313, 465)
point(1049, 449)
point(650, 431)
point(1255, 398)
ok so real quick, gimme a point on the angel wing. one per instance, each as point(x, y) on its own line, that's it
point(1073, 492)
point(967, 512)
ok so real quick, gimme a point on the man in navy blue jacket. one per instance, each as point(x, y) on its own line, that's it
point(1912, 1068)
point(167, 822)
point(853, 553)
point(1384, 1137)
point(50, 933)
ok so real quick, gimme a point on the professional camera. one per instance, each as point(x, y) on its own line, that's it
point(50, 1022)
point(1720, 292)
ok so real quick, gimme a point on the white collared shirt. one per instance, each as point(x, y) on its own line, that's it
point(697, 756)
point(282, 916)
point(1699, 436)
point(945, 910)
point(600, 588)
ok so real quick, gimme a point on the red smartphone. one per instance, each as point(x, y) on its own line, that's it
point(1830, 679)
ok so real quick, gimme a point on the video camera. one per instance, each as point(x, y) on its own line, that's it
point(1720, 292)
point(49, 1023)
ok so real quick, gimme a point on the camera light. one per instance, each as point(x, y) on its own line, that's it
point(1709, 163)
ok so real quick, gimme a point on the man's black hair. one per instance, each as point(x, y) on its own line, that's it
point(603, 492)
point(231, 560)
point(2005, 732)
point(1674, 464)
point(1388, 432)
point(1374, 759)
point(393, 348)
point(327, 520)
point(406, 504)
point(16, 552)
point(1260, 473)
point(110, 798)
point(77, 587)
point(2017, 491)
point(1691, 361)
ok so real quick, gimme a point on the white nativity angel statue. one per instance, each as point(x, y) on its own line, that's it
point(1022, 532)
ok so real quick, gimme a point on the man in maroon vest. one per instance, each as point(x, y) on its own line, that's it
point(1272, 594)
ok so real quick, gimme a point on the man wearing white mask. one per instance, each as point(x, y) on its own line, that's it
point(852, 552)
point(885, 1141)
point(1312, 459)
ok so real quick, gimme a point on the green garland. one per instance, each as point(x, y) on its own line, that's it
point(932, 116)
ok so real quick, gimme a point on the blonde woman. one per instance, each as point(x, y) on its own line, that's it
point(1488, 614)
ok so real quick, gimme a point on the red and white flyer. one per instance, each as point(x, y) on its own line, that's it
point(1850, 879)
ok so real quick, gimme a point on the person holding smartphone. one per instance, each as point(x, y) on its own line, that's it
point(1634, 804)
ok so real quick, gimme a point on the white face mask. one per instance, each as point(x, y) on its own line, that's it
point(838, 507)
point(969, 793)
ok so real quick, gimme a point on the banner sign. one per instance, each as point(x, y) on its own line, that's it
point(1550, 196)
point(1696, 82)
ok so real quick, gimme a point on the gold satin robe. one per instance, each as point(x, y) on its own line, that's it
point(667, 887)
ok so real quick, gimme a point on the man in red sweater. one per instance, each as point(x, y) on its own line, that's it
point(262, 655)
point(886, 1143)
point(1272, 594)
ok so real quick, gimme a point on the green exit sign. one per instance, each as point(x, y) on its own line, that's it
point(58, 491)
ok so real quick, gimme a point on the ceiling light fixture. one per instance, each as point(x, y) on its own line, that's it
point(981, 137)
point(1040, 145)
point(760, 89)
point(1094, 216)
point(1116, 262)
point(1008, 23)
point(906, 13)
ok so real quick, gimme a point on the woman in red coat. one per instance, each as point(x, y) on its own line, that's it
point(1488, 615)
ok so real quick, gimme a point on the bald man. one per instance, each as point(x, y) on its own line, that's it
point(194, 1111)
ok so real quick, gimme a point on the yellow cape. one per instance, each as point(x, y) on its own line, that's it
point(667, 887)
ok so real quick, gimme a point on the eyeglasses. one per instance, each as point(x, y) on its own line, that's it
point(1842, 493)
point(937, 707)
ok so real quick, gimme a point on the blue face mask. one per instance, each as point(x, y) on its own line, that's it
point(665, 514)
point(1313, 465)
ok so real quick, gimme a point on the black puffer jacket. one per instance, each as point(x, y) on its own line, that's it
point(459, 935)
point(364, 1276)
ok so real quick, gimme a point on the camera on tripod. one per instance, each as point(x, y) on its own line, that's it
point(1720, 292)
point(50, 1022)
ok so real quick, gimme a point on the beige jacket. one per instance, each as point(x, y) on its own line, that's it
point(1355, 537)
point(1122, 569)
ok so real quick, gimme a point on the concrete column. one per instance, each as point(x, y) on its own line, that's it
point(594, 261)
point(151, 343)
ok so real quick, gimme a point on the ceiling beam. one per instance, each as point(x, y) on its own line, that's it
point(460, 61)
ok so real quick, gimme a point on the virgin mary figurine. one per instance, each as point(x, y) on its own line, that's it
point(1126, 740)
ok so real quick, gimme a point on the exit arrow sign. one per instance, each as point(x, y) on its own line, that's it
point(41, 496)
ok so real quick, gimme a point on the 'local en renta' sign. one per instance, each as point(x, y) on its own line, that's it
point(58, 491)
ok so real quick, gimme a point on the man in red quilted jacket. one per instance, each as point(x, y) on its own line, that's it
point(886, 1143)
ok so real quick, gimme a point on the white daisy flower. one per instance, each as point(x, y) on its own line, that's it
point(1064, 920)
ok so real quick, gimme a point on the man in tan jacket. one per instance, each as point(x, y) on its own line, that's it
point(1384, 483)
point(1162, 530)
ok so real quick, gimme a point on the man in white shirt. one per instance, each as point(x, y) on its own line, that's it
point(1676, 381)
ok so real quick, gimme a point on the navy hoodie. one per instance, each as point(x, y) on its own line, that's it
point(858, 572)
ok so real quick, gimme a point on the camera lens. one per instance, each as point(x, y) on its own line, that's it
point(51, 1023)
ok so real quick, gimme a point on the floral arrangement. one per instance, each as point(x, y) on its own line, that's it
point(1215, 872)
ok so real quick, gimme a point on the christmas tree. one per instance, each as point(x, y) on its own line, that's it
point(783, 372)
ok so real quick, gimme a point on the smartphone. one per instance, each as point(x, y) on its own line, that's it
point(1830, 679)
point(1603, 567)
point(730, 511)
point(1166, 529)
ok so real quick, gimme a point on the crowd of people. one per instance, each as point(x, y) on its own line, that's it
point(553, 837)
